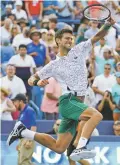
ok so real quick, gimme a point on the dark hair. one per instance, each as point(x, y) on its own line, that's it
point(83, 19)
point(22, 46)
point(10, 14)
point(32, 26)
point(53, 20)
point(107, 64)
point(59, 33)
point(12, 65)
point(109, 93)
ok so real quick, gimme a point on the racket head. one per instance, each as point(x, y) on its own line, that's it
point(97, 12)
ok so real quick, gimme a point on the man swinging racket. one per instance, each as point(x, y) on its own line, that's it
point(69, 69)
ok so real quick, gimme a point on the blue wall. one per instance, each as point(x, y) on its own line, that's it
point(105, 127)
point(107, 149)
point(106, 145)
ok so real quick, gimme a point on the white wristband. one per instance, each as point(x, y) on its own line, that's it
point(117, 26)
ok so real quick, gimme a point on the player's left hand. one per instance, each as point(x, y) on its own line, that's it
point(42, 83)
point(111, 20)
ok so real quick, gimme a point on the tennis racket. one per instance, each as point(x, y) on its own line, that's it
point(97, 12)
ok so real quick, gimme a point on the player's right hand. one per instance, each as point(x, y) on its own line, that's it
point(111, 20)
point(42, 83)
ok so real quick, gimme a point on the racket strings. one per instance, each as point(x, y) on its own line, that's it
point(96, 13)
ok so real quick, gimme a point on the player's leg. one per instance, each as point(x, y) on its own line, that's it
point(66, 132)
point(94, 117)
point(59, 145)
point(71, 162)
point(83, 162)
point(79, 131)
point(72, 108)
point(74, 143)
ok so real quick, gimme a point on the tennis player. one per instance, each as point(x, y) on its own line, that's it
point(69, 69)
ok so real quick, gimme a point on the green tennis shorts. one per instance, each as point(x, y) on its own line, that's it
point(70, 108)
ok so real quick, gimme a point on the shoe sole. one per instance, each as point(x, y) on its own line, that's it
point(15, 128)
point(83, 155)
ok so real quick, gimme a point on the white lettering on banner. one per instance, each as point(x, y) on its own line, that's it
point(47, 158)
point(118, 155)
point(46, 155)
point(101, 155)
point(38, 154)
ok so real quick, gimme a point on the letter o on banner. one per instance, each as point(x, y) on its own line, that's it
point(54, 159)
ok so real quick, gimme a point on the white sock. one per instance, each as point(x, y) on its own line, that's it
point(82, 142)
point(28, 134)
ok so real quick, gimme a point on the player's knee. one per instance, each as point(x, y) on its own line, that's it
point(98, 116)
point(61, 150)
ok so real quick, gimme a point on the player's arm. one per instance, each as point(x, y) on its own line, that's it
point(34, 80)
point(40, 78)
point(103, 31)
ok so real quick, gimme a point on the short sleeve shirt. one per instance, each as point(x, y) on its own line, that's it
point(41, 53)
point(70, 71)
point(101, 63)
point(20, 62)
point(28, 117)
point(116, 93)
point(49, 3)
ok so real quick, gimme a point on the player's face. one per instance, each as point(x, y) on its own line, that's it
point(66, 41)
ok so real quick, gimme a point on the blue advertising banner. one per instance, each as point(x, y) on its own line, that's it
point(108, 153)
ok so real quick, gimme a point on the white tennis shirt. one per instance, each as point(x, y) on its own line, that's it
point(70, 71)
